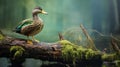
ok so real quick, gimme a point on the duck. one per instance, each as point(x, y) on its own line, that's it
point(31, 27)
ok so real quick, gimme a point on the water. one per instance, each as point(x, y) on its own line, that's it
point(39, 63)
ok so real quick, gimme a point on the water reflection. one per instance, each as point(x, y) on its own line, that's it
point(38, 63)
point(66, 65)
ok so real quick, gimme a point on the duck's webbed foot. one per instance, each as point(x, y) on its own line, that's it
point(29, 41)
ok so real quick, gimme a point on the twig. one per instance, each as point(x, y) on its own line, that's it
point(61, 36)
point(92, 45)
point(115, 45)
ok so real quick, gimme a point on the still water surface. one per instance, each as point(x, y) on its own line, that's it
point(37, 63)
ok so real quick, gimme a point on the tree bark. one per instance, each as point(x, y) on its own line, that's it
point(61, 51)
point(43, 51)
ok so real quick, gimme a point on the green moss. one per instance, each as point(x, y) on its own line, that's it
point(72, 52)
point(66, 42)
point(111, 57)
point(1, 37)
point(90, 54)
point(17, 51)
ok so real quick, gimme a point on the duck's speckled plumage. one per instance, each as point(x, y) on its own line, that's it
point(22, 24)
point(31, 27)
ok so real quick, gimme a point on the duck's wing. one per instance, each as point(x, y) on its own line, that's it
point(22, 24)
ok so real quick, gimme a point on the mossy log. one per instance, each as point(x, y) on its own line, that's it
point(62, 51)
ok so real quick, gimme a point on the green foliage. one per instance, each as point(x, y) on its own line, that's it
point(72, 52)
point(17, 51)
point(1, 35)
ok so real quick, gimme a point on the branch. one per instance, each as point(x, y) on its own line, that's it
point(61, 36)
point(92, 45)
point(114, 44)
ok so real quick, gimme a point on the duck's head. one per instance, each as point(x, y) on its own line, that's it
point(38, 10)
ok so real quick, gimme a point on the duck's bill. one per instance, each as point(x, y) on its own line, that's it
point(43, 12)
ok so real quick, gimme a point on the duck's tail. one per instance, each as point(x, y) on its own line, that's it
point(16, 30)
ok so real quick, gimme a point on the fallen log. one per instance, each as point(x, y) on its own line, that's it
point(62, 51)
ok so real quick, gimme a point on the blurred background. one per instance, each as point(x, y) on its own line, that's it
point(100, 17)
